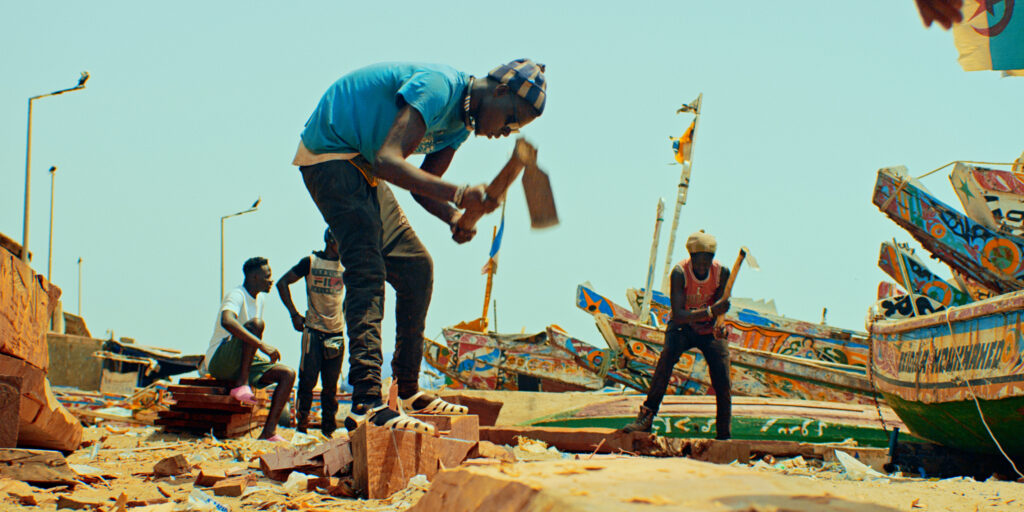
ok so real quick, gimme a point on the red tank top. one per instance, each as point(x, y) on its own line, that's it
point(701, 294)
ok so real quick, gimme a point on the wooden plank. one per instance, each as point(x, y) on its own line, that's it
point(40, 467)
point(581, 440)
point(87, 413)
point(205, 390)
point(44, 422)
point(201, 405)
point(10, 410)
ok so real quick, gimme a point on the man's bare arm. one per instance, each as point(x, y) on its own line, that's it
point(402, 139)
point(436, 164)
point(721, 305)
point(298, 322)
point(229, 320)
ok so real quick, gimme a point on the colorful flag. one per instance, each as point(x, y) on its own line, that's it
point(684, 145)
point(991, 37)
point(492, 261)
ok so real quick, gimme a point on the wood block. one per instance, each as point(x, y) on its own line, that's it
point(172, 466)
point(145, 502)
point(26, 303)
point(234, 486)
point(44, 422)
point(486, 410)
point(278, 465)
point(464, 427)
point(338, 459)
point(384, 460)
point(580, 440)
point(209, 477)
point(79, 503)
point(451, 452)
point(40, 467)
point(489, 450)
point(10, 410)
point(720, 452)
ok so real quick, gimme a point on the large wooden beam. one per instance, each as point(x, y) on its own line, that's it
point(41, 467)
point(44, 422)
point(27, 302)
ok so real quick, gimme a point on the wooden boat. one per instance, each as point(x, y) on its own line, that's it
point(754, 324)
point(752, 418)
point(440, 357)
point(926, 292)
point(992, 258)
point(920, 279)
point(994, 198)
point(516, 362)
point(608, 364)
point(937, 371)
point(754, 372)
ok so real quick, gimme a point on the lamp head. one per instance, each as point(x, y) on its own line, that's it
point(53, 169)
point(84, 78)
point(257, 203)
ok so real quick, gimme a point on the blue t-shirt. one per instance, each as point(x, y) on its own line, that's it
point(356, 112)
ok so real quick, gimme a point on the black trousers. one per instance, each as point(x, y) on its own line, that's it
point(315, 364)
point(716, 354)
point(377, 245)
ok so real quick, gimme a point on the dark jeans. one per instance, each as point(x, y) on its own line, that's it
point(313, 364)
point(716, 354)
point(376, 245)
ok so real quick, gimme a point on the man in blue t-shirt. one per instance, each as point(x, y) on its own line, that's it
point(362, 131)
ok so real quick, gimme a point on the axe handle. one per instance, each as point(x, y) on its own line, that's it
point(501, 182)
point(732, 274)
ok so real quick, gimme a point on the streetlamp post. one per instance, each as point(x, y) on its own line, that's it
point(79, 286)
point(252, 208)
point(49, 246)
point(28, 157)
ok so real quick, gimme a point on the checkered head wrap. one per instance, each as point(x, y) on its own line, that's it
point(526, 78)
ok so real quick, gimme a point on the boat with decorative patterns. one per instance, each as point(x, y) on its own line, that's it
point(752, 418)
point(992, 197)
point(607, 363)
point(990, 257)
point(516, 362)
point(929, 292)
point(948, 374)
point(755, 325)
point(754, 372)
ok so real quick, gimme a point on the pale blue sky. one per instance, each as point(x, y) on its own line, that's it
point(194, 110)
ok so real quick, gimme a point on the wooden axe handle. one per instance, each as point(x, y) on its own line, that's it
point(524, 154)
point(732, 274)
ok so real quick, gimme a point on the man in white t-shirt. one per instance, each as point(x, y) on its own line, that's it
point(236, 339)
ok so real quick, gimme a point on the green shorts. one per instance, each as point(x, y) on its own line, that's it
point(226, 363)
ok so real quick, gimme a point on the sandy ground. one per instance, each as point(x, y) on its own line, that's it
point(119, 460)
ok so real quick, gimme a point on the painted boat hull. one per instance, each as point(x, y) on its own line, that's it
point(499, 359)
point(619, 370)
point(931, 368)
point(753, 372)
point(753, 418)
point(922, 280)
point(994, 259)
point(760, 330)
point(991, 197)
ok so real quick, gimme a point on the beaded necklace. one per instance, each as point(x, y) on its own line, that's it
point(470, 122)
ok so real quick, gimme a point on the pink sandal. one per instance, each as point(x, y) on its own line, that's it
point(244, 394)
point(276, 438)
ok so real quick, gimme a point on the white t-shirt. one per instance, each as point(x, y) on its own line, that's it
point(244, 306)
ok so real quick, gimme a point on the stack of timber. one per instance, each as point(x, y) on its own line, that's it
point(204, 405)
point(27, 302)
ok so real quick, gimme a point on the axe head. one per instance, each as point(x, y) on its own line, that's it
point(539, 199)
point(749, 258)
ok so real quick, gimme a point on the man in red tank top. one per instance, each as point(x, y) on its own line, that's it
point(697, 287)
